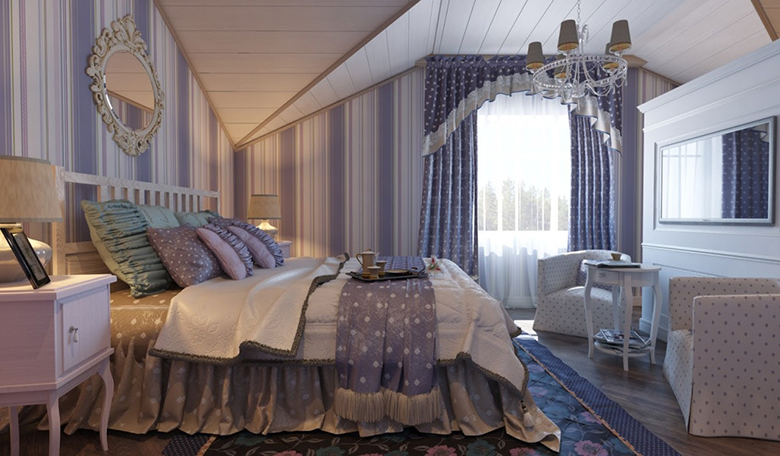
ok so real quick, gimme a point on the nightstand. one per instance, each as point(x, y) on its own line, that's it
point(285, 246)
point(53, 339)
point(625, 278)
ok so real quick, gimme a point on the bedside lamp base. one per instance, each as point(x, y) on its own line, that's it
point(268, 228)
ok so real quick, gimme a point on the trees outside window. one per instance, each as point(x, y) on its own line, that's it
point(524, 163)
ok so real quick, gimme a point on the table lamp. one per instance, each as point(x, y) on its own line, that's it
point(28, 193)
point(265, 207)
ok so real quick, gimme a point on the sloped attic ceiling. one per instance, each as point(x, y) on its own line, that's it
point(253, 56)
point(267, 63)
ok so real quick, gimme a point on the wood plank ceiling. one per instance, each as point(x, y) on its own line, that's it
point(254, 56)
point(769, 12)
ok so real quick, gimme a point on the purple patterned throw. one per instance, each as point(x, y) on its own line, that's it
point(386, 349)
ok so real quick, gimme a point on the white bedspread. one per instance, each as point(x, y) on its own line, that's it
point(209, 322)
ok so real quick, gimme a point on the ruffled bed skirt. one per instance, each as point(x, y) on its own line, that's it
point(156, 394)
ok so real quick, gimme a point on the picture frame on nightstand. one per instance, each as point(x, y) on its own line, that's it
point(28, 260)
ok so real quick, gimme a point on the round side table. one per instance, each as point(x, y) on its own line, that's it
point(623, 279)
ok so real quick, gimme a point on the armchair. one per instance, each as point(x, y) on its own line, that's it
point(723, 355)
point(560, 306)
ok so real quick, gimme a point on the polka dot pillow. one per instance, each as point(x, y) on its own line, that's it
point(186, 258)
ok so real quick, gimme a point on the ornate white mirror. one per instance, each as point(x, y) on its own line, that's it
point(125, 87)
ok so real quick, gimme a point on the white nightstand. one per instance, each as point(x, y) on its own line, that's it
point(53, 339)
point(623, 279)
point(285, 246)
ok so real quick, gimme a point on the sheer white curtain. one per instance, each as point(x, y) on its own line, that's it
point(524, 169)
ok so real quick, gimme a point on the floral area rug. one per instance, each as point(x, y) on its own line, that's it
point(591, 425)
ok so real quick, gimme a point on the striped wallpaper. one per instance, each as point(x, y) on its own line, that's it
point(349, 178)
point(48, 110)
point(642, 86)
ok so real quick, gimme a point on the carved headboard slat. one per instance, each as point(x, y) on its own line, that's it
point(81, 257)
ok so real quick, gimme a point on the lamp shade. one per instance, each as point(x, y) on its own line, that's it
point(29, 192)
point(535, 58)
point(609, 65)
point(568, 39)
point(264, 207)
point(621, 37)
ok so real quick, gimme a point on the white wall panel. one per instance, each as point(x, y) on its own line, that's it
point(745, 90)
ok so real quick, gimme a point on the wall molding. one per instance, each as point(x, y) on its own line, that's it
point(711, 106)
point(663, 325)
point(713, 76)
point(712, 253)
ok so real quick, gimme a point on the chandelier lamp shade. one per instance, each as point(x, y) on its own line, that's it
point(621, 38)
point(574, 74)
point(535, 58)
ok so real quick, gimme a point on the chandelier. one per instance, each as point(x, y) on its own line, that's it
point(574, 74)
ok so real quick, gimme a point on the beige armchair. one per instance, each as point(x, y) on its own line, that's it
point(560, 306)
point(723, 355)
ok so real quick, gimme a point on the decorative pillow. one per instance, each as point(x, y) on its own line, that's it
point(256, 232)
point(188, 259)
point(118, 231)
point(582, 276)
point(196, 219)
point(159, 217)
point(232, 254)
point(260, 253)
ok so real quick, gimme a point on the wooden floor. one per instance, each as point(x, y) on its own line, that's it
point(642, 391)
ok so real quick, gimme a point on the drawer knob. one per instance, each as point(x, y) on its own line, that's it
point(75, 333)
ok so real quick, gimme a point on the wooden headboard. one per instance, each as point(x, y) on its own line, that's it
point(82, 257)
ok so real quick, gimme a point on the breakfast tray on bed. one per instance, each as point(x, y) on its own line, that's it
point(357, 275)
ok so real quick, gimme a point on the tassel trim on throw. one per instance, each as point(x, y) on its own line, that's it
point(528, 419)
point(373, 407)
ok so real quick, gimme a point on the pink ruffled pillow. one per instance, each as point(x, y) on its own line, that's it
point(260, 253)
point(232, 259)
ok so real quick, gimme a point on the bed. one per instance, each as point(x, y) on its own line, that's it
point(482, 382)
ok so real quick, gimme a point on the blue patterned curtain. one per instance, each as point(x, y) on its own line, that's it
point(745, 174)
point(592, 207)
point(455, 87)
point(448, 221)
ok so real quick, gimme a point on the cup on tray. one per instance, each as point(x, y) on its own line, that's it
point(373, 272)
point(381, 264)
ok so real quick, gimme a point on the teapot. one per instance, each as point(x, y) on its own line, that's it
point(367, 258)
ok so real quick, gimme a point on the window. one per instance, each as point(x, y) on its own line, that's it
point(524, 169)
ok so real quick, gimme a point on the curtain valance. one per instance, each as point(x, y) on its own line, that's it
point(456, 86)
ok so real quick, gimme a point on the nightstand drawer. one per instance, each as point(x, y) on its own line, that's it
point(285, 247)
point(85, 327)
